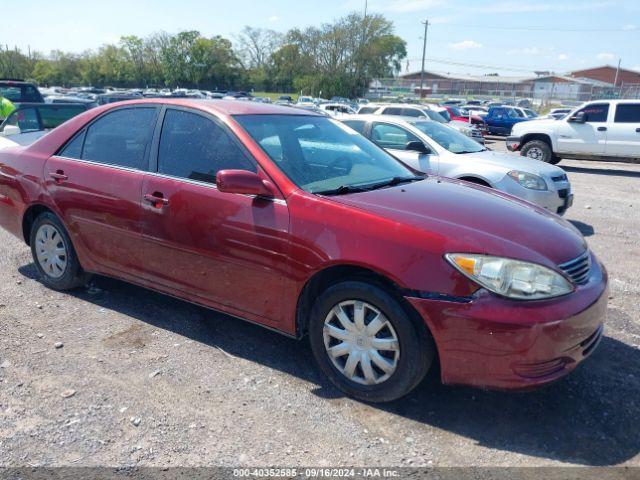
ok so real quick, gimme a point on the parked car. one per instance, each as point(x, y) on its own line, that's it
point(598, 130)
point(117, 97)
point(295, 222)
point(19, 91)
point(304, 100)
point(500, 120)
point(284, 100)
point(336, 109)
point(433, 148)
point(417, 111)
point(33, 117)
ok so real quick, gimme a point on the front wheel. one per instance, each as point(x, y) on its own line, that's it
point(539, 150)
point(365, 343)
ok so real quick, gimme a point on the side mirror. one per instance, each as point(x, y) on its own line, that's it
point(10, 130)
point(579, 117)
point(416, 146)
point(244, 182)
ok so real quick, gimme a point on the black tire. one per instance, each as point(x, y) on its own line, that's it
point(73, 275)
point(416, 346)
point(538, 150)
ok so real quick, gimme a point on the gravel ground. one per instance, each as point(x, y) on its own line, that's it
point(120, 376)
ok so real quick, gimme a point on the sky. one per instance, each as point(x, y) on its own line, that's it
point(509, 37)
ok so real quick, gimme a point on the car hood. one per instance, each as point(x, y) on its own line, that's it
point(474, 219)
point(514, 162)
point(539, 123)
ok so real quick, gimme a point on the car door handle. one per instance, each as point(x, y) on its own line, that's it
point(156, 199)
point(59, 176)
point(602, 129)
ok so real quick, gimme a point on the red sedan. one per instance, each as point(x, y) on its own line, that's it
point(294, 221)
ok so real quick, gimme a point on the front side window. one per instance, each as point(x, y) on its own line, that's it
point(448, 138)
point(628, 113)
point(392, 111)
point(320, 154)
point(121, 138)
point(195, 147)
point(392, 136)
point(595, 113)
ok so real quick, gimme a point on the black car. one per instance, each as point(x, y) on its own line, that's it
point(19, 91)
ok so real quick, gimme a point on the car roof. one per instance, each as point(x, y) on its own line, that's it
point(399, 119)
point(221, 107)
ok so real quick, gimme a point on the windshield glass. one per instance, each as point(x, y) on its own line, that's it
point(435, 116)
point(320, 154)
point(448, 138)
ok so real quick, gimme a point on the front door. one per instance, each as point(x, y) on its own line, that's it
point(589, 137)
point(395, 139)
point(215, 247)
point(95, 182)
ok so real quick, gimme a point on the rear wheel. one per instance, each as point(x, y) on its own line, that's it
point(365, 343)
point(54, 255)
point(539, 150)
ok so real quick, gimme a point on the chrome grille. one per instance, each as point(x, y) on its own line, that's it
point(578, 269)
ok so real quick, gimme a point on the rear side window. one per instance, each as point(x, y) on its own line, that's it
point(358, 125)
point(628, 113)
point(596, 113)
point(26, 119)
point(195, 147)
point(365, 110)
point(73, 149)
point(121, 138)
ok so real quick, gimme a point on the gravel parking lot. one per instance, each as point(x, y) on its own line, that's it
point(118, 375)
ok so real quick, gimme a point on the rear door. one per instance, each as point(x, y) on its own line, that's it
point(590, 137)
point(95, 182)
point(623, 135)
point(214, 247)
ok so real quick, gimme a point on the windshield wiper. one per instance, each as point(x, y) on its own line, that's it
point(344, 189)
point(471, 151)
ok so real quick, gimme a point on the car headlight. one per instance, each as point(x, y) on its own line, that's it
point(511, 278)
point(528, 180)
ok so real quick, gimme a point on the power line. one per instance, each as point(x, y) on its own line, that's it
point(544, 29)
point(478, 65)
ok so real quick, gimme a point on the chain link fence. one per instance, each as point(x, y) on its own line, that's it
point(499, 89)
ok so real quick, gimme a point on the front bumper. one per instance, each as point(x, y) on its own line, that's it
point(513, 143)
point(496, 343)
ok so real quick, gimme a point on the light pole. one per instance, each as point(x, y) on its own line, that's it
point(424, 53)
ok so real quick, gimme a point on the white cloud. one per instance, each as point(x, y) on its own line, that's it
point(274, 18)
point(636, 68)
point(563, 56)
point(605, 56)
point(465, 44)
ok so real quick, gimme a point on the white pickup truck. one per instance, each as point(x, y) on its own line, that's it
point(597, 130)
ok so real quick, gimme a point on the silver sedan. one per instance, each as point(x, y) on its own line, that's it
point(437, 149)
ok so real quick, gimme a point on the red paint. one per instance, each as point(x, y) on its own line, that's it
point(251, 256)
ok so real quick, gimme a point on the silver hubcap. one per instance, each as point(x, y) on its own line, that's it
point(361, 342)
point(535, 153)
point(51, 251)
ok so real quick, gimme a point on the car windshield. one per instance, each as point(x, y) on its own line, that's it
point(448, 138)
point(435, 116)
point(322, 155)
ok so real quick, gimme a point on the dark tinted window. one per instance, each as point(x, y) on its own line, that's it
point(25, 119)
point(358, 125)
point(121, 138)
point(628, 113)
point(596, 113)
point(365, 110)
point(412, 112)
point(390, 136)
point(194, 147)
point(392, 111)
point(73, 149)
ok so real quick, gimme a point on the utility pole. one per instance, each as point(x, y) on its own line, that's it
point(424, 53)
point(615, 80)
